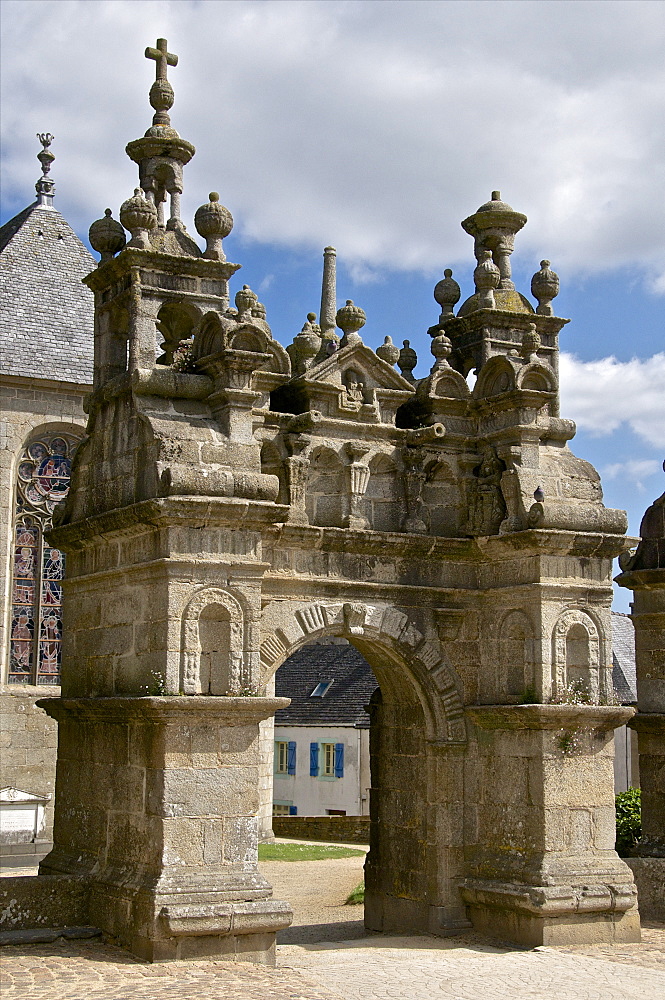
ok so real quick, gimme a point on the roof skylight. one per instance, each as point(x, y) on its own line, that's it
point(321, 689)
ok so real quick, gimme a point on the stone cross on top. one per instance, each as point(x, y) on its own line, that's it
point(162, 57)
point(161, 92)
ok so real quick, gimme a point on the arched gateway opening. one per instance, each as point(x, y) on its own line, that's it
point(414, 867)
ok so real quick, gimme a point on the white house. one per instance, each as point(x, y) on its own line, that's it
point(321, 763)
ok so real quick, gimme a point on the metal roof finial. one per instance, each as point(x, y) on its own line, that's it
point(45, 187)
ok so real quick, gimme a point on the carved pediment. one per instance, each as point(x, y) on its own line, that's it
point(355, 384)
point(17, 795)
point(376, 373)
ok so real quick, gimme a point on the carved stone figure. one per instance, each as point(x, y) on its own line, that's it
point(488, 507)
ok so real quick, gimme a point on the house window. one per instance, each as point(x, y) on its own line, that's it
point(326, 760)
point(329, 760)
point(285, 757)
point(284, 809)
point(36, 625)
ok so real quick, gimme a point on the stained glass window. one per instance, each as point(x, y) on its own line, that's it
point(36, 627)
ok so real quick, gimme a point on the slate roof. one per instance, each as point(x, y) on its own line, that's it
point(46, 313)
point(623, 657)
point(343, 704)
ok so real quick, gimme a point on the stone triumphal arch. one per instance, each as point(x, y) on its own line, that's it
point(233, 500)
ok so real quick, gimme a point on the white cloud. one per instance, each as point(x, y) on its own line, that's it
point(633, 471)
point(371, 126)
point(605, 394)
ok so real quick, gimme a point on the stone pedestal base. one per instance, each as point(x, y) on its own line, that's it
point(544, 870)
point(649, 875)
point(157, 811)
point(560, 915)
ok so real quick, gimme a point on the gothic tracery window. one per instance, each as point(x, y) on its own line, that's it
point(36, 626)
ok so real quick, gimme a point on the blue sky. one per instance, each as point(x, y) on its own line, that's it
point(377, 127)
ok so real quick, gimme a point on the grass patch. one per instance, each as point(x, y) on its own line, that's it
point(356, 896)
point(305, 852)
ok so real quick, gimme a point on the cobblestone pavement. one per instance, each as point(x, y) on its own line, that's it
point(315, 963)
point(422, 968)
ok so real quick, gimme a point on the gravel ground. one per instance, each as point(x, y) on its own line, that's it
point(317, 891)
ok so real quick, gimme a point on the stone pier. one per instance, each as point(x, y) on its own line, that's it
point(643, 571)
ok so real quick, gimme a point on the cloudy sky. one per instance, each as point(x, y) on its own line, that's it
point(377, 126)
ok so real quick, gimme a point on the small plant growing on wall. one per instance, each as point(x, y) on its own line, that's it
point(629, 821)
point(575, 693)
point(529, 696)
point(182, 359)
point(569, 742)
point(156, 688)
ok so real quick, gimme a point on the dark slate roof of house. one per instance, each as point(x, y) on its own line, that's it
point(47, 314)
point(623, 657)
point(344, 702)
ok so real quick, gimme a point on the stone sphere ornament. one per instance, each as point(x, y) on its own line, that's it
point(441, 349)
point(544, 288)
point(388, 351)
point(213, 222)
point(447, 293)
point(350, 318)
point(107, 236)
point(139, 216)
point(408, 359)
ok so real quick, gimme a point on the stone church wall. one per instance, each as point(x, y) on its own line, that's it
point(28, 738)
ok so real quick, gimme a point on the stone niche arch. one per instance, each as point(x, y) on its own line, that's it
point(326, 489)
point(213, 644)
point(384, 500)
point(576, 643)
point(176, 322)
point(516, 660)
point(442, 498)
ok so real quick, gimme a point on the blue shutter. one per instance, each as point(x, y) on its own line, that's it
point(339, 760)
point(314, 760)
point(291, 758)
point(293, 810)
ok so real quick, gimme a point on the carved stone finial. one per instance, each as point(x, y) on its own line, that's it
point(161, 92)
point(408, 359)
point(305, 347)
point(530, 343)
point(350, 318)
point(388, 351)
point(486, 278)
point(544, 288)
point(328, 293)
point(494, 227)
point(441, 349)
point(245, 301)
point(447, 293)
point(139, 216)
point(45, 187)
point(213, 222)
point(107, 236)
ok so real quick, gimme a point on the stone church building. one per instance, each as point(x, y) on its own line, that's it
point(46, 352)
point(233, 501)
